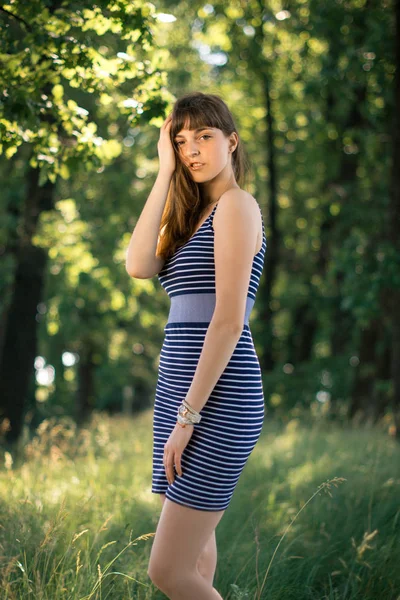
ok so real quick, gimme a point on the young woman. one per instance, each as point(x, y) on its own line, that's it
point(204, 237)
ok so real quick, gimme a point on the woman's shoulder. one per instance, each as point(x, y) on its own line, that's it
point(238, 199)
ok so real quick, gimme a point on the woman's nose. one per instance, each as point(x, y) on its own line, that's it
point(191, 149)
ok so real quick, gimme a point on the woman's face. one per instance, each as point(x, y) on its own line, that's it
point(206, 146)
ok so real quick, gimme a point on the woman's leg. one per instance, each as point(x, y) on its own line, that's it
point(181, 536)
point(207, 562)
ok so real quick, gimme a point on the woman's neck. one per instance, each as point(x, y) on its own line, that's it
point(213, 190)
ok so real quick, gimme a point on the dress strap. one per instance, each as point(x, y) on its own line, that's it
point(262, 218)
point(211, 215)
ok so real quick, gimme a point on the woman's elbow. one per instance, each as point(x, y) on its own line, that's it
point(133, 272)
point(224, 323)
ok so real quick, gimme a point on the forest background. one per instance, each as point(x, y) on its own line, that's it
point(314, 86)
point(314, 89)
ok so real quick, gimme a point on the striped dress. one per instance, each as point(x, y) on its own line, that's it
point(232, 417)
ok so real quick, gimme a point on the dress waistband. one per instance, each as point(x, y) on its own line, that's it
point(198, 308)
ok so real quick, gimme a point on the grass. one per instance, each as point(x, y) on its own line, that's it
point(315, 515)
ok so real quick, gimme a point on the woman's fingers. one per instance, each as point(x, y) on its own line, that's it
point(167, 121)
point(178, 466)
point(169, 463)
point(170, 472)
point(169, 467)
point(165, 147)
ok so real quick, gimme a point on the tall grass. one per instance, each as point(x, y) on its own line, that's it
point(315, 515)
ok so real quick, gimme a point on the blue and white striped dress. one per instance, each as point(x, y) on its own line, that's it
point(232, 417)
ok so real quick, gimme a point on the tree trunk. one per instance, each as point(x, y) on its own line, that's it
point(273, 240)
point(362, 406)
point(86, 394)
point(10, 250)
point(19, 347)
point(394, 228)
point(303, 328)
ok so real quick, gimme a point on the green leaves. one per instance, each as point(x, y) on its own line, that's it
point(52, 58)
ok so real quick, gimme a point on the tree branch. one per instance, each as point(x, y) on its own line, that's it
point(16, 17)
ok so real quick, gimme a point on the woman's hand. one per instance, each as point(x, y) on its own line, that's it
point(166, 152)
point(177, 442)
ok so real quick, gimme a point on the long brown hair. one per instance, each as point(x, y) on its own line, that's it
point(185, 205)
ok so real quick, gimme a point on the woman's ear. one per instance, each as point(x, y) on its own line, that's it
point(233, 142)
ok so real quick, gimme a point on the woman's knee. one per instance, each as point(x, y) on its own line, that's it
point(157, 569)
point(207, 561)
point(165, 574)
point(162, 575)
point(156, 574)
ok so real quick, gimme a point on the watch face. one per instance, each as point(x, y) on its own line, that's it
point(185, 412)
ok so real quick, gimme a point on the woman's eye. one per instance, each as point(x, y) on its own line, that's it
point(203, 136)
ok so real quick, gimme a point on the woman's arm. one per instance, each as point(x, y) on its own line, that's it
point(141, 259)
point(236, 223)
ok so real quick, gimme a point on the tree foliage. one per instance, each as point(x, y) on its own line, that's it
point(311, 89)
point(54, 54)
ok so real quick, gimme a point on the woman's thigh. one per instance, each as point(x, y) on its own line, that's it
point(211, 544)
point(181, 535)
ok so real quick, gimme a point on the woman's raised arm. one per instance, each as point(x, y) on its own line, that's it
point(141, 259)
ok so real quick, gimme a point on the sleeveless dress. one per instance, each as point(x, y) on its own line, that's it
point(232, 417)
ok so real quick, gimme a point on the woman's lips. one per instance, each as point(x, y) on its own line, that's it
point(196, 166)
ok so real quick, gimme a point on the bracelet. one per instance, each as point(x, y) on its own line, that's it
point(192, 415)
point(192, 410)
point(183, 422)
point(187, 415)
